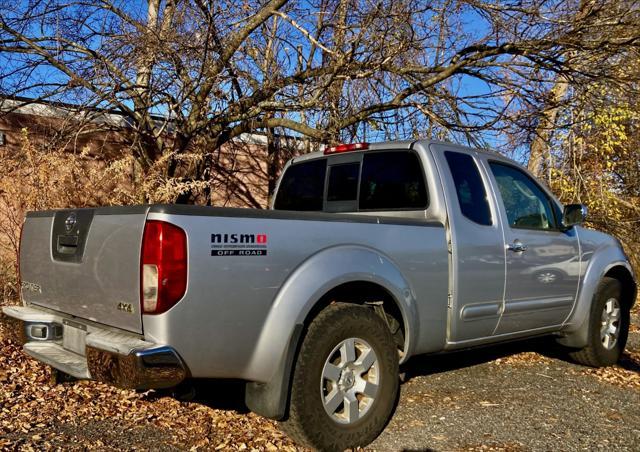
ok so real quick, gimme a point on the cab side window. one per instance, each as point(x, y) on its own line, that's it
point(472, 195)
point(526, 204)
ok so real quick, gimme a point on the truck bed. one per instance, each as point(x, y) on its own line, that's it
point(92, 270)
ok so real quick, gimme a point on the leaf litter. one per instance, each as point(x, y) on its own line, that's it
point(38, 415)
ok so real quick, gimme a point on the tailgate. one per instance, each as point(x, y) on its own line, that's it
point(85, 262)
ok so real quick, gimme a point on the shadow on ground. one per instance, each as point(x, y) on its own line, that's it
point(630, 362)
point(216, 394)
point(229, 394)
point(435, 364)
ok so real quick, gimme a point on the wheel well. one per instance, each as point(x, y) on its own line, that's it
point(271, 399)
point(370, 294)
point(629, 288)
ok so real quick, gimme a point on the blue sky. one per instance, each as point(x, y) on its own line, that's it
point(464, 85)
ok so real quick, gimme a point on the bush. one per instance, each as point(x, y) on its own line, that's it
point(599, 167)
point(37, 179)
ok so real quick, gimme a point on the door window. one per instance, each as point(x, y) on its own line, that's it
point(526, 204)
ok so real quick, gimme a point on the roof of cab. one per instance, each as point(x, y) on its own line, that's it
point(401, 144)
point(382, 145)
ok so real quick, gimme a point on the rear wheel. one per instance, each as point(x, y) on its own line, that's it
point(345, 382)
point(608, 327)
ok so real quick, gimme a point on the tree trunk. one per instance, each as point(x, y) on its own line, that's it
point(273, 162)
point(334, 93)
point(273, 154)
point(539, 149)
point(539, 156)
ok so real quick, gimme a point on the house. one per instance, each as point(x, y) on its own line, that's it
point(239, 174)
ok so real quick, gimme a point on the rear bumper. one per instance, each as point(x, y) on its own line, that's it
point(116, 358)
point(150, 368)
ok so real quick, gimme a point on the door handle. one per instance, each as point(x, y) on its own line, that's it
point(517, 247)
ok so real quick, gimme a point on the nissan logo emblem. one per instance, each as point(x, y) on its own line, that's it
point(70, 222)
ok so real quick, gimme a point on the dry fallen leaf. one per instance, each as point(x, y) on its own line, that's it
point(35, 415)
point(626, 373)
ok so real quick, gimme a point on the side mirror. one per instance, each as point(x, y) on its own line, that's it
point(574, 214)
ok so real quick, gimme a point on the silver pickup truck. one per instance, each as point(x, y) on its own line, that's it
point(371, 254)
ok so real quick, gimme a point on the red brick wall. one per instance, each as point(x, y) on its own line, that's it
point(238, 170)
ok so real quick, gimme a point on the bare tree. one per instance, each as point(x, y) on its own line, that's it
point(193, 76)
point(591, 44)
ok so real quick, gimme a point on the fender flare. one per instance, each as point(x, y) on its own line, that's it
point(277, 345)
point(576, 329)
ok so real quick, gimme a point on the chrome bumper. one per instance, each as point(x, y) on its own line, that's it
point(111, 357)
point(151, 368)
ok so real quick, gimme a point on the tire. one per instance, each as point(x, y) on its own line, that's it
point(608, 332)
point(335, 350)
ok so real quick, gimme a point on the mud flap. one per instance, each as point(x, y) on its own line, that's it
point(270, 399)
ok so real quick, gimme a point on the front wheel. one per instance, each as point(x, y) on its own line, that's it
point(608, 327)
point(345, 381)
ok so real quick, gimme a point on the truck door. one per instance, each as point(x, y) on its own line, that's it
point(477, 253)
point(543, 264)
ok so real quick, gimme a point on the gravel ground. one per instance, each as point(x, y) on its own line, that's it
point(522, 396)
point(517, 397)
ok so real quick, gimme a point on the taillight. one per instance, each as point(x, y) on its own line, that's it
point(163, 267)
point(346, 148)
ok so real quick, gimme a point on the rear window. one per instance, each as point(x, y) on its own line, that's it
point(392, 180)
point(388, 180)
point(302, 186)
point(343, 182)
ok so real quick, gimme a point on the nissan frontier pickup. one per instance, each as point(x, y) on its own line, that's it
point(371, 254)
